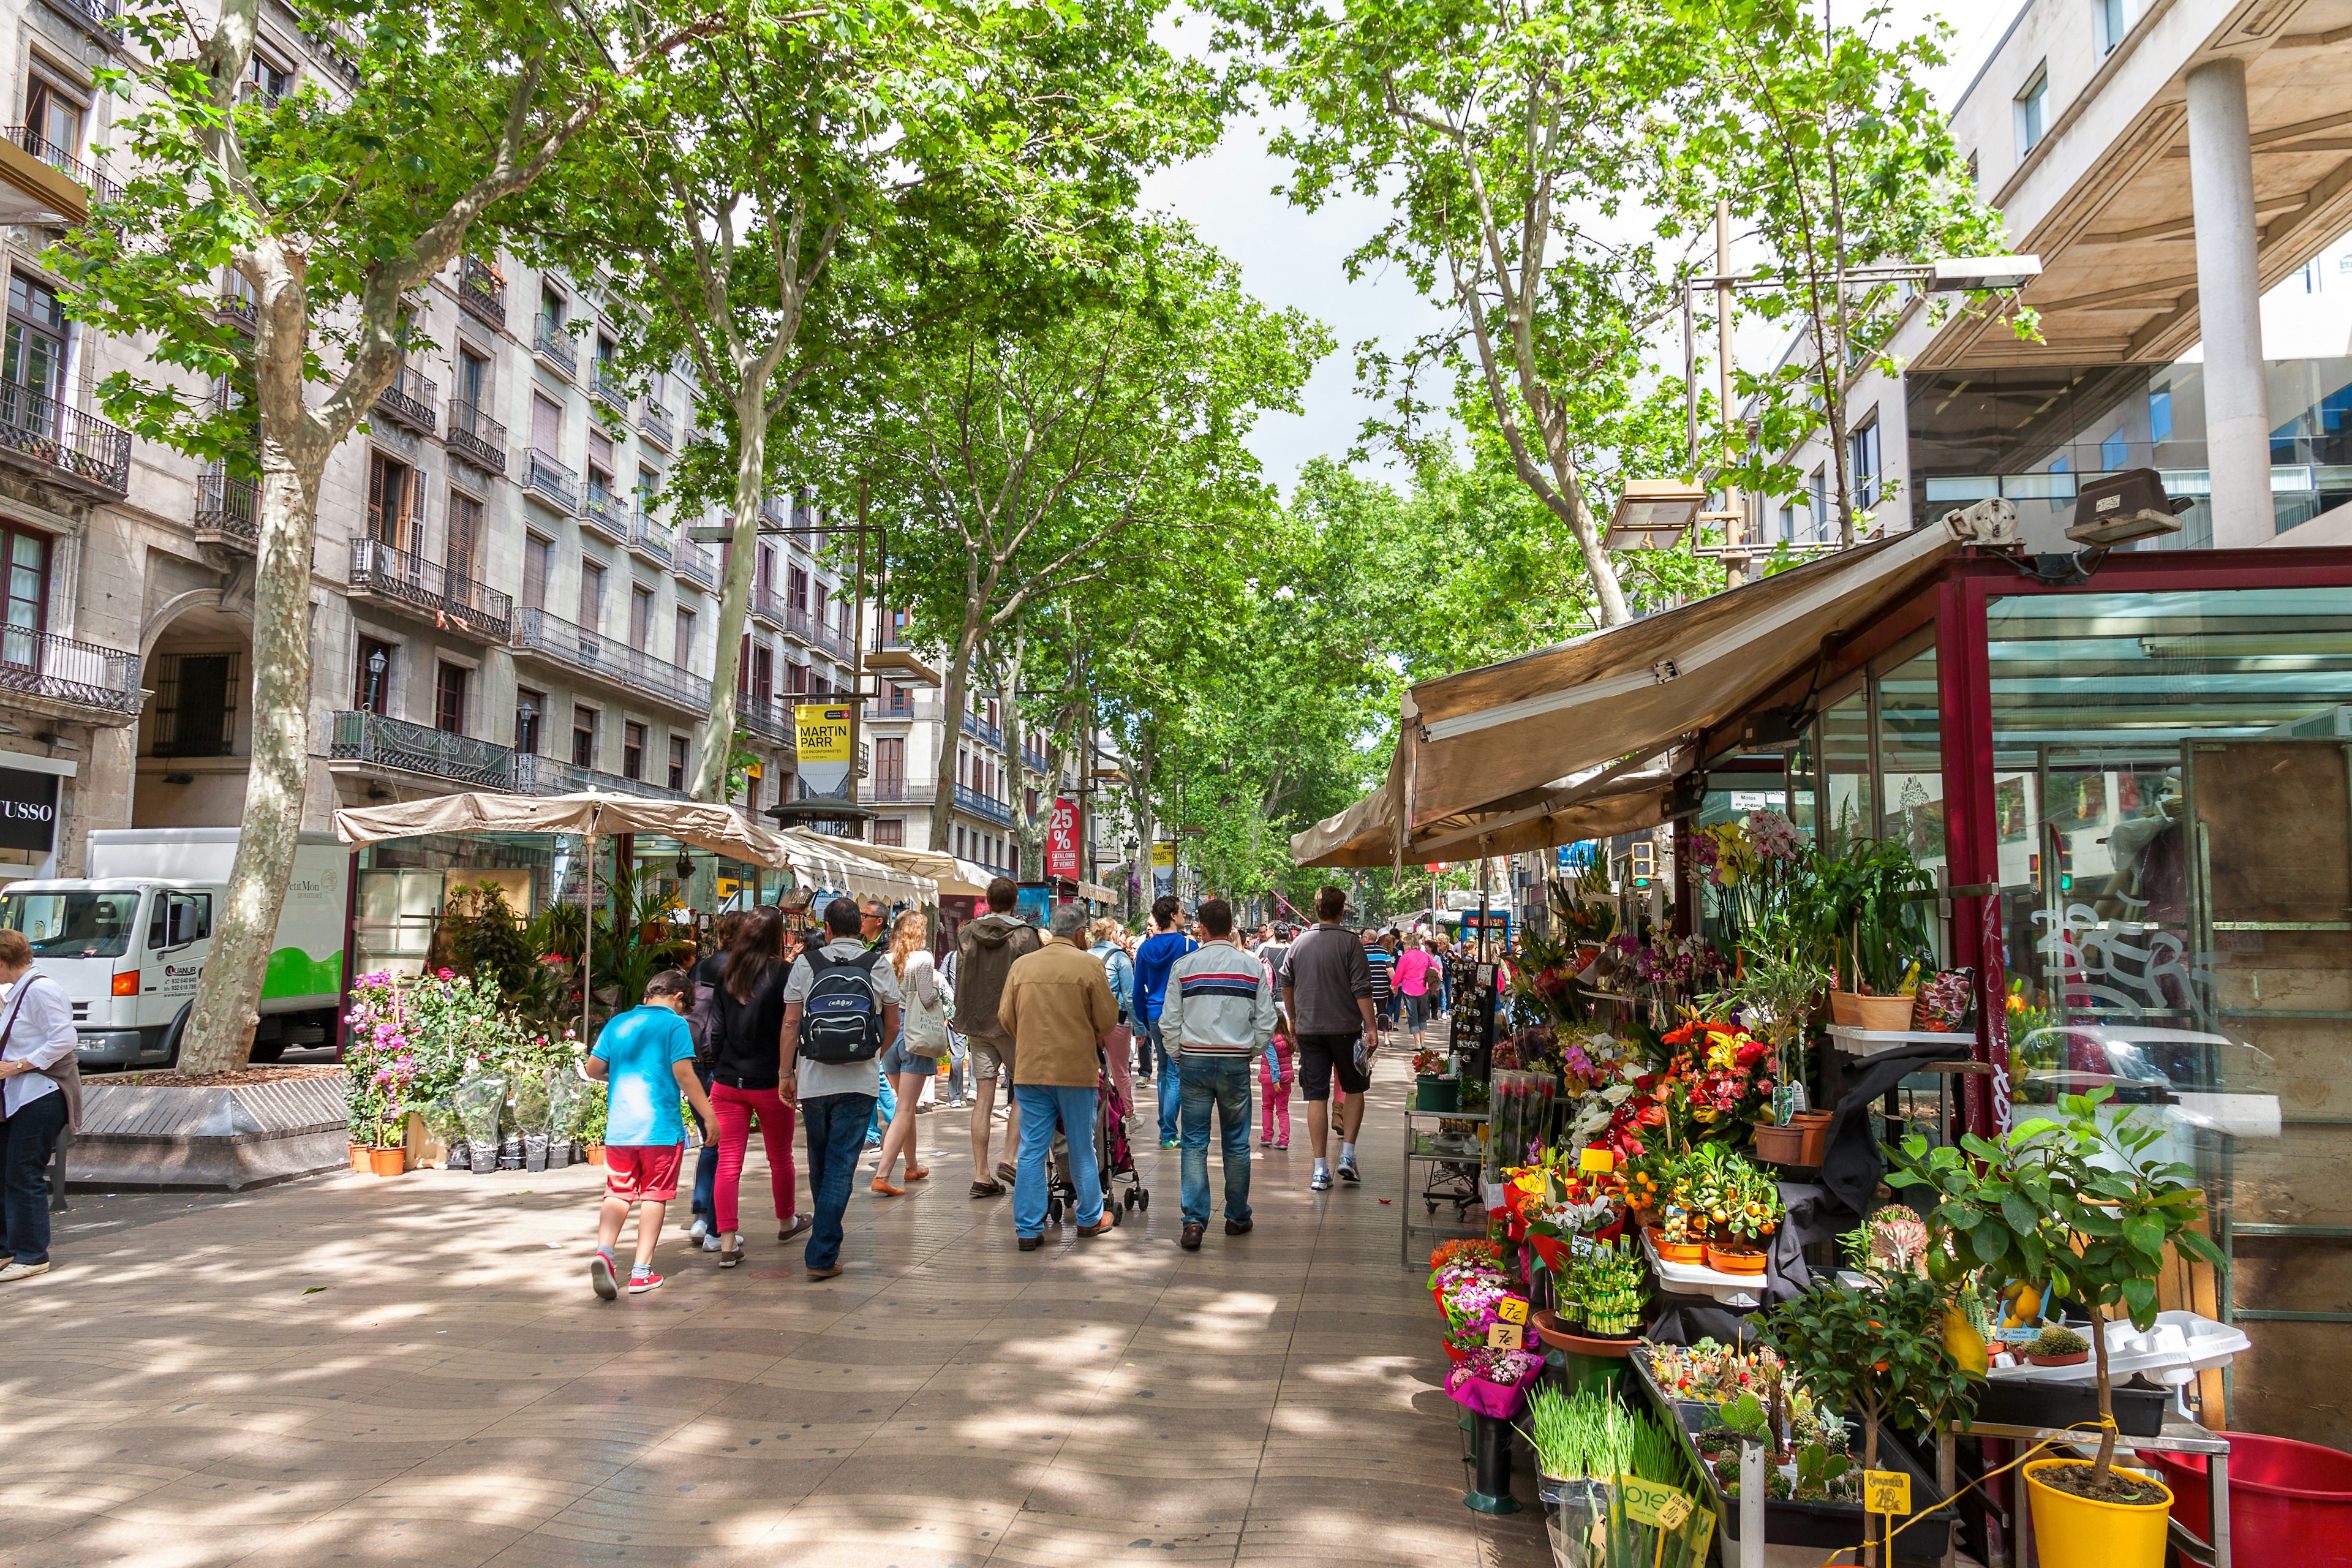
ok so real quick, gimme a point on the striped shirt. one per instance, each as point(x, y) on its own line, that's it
point(1219, 1003)
point(1380, 960)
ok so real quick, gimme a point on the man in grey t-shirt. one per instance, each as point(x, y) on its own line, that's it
point(836, 1099)
point(1326, 992)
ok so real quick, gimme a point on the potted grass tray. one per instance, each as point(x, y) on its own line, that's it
point(1788, 1522)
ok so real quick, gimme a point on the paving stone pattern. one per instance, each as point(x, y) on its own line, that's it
point(177, 1394)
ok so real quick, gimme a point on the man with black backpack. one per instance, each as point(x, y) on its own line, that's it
point(841, 1007)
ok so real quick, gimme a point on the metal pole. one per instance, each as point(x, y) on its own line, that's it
point(588, 942)
point(1735, 535)
point(1690, 374)
point(858, 661)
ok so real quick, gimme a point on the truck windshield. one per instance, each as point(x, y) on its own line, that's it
point(72, 925)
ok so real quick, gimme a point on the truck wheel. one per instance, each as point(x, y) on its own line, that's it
point(270, 1052)
point(172, 1040)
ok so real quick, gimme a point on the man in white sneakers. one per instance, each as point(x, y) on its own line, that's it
point(1326, 987)
point(1217, 1016)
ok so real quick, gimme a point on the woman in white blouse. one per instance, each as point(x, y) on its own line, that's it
point(40, 1095)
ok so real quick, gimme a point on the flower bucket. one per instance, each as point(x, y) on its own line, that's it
point(559, 1154)
point(483, 1158)
point(1551, 1250)
point(388, 1161)
point(2073, 1531)
point(1735, 1260)
point(534, 1151)
point(1435, 1093)
point(1456, 1356)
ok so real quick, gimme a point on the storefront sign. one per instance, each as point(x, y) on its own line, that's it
point(29, 810)
point(825, 753)
point(1062, 841)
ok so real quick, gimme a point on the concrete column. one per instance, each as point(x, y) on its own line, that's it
point(2229, 305)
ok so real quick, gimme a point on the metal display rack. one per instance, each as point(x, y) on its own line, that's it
point(1463, 1173)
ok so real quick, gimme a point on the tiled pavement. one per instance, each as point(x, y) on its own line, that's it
point(178, 1391)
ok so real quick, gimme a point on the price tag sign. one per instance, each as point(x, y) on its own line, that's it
point(1511, 1310)
point(1506, 1337)
point(1602, 1159)
point(2024, 1334)
point(1886, 1491)
point(1650, 1502)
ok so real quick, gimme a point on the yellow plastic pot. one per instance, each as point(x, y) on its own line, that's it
point(2072, 1532)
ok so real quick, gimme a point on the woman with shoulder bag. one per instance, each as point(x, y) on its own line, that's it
point(40, 1096)
point(746, 1071)
point(701, 1011)
point(913, 1058)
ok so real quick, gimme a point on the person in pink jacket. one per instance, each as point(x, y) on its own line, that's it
point(1277, 1071)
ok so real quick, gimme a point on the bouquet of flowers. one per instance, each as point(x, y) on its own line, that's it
point(1428, 1062)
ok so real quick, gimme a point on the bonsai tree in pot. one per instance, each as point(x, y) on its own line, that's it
point(1875, 1349)
point(2081, 1205)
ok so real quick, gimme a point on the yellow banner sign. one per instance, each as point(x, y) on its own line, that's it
point(1163, 855)
point(1886, 1491)
point(824, 732)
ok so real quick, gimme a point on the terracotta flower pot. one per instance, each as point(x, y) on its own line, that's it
point(1843, 1009)
point(1677, 1251)
point(1781, 1145)
point(2077, 1359)
point(1735, 1259)
point(359, 1159)
point(1886, 1014)
point(388, 1161)
point(1560, 1337)
point(596, 1154)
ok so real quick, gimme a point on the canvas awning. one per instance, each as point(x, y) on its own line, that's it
point(1567, 742)
point(950, 876)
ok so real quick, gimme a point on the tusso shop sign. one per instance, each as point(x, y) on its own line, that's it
point(29, 810)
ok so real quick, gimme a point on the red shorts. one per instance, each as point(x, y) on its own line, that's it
point(646, 1173)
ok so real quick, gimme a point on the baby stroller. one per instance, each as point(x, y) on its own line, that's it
point(1114, 1157)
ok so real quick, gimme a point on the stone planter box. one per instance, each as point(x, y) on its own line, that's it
point(229, 1135)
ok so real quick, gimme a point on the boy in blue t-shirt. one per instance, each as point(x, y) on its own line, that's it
point(647, 1056)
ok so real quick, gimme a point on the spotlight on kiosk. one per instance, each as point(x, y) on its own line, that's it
point(1981, 274)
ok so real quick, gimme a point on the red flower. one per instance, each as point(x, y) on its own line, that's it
point(1750, 1052)
point(1651, 1115)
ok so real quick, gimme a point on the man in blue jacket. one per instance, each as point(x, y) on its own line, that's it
point(1153, 960)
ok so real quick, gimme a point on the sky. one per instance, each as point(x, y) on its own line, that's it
point(1292, 258)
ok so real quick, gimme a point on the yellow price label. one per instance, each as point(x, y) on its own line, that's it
point(1506, 1337)
point(1886, 1491)
point(1597, 1159)
point(1511, 1310)
point(1650, 1502)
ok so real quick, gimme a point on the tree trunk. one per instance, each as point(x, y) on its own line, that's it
point(1869, 1463)
point(219, 1034)
point(952, 702)
point(2105, 1465)
point(735, 594)
point(1140, 769)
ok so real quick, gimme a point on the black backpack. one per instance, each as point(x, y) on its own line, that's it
point(841, 1016)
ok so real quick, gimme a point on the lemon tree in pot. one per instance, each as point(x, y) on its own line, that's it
point(2081, 1205)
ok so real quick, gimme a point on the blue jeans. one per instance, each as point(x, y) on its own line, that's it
point(956, 1054)
point(26, 1140)
point(836, 1127)
point(1222, 1083)
point(886, 1108)
point(1170, 1091)
point(706, 1181)
point(1042, 1104)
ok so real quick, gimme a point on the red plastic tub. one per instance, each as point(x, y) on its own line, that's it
point(2289, 1501)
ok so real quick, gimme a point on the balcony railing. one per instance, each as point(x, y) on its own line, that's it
point(970, 799)
point(409, 400)
point(833, 639)
point(481, 292)
point(477, 438)
point(549, 339)
point(777, 512)
point(228, 507)
point(62, 160)
point(647, 537)
point(459, 603)
point(536, 631)
point(240, 310)
point(766, 605)
point(551, 481)
point(769, 716)
point(608, 512)
point(1036, 762)
point(981, 730)
point(48, 432)
point(655, 422)
point(43, 664)
point(899, 792)
point(363, 737)
point(800, 624)
point(611, 390)
point(915, 709)
point(693, 563)
point(547, 775)
point(98, 14)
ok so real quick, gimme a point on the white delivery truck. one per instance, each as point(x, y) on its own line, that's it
point(128, 941)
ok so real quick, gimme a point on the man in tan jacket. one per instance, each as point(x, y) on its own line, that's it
point(1057, 1010)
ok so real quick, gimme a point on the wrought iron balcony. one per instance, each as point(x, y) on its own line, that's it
point(768, 716)
point(537, 633)
point(833, 639)
point(981, 730)
point(653, 421)
point(97, 14)
point(63, 161)
point(767, 606)
point(693, 563)
point(45, 433)
point(776, 510)
point(607, 511)
point(611, 390)
point(228, 509)
point(970, 799)
point(550, 481)
point(72, 674)
point(409, 400)
point(481, 292)
point(547, 775)
point(240, 310)
point(363, 737)
point(901, 792)
point(477, 437)
point(798, 623)
point(429, 589)
point(552, 344)
point(647, 537)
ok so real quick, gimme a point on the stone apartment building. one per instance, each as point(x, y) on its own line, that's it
point(502, 598)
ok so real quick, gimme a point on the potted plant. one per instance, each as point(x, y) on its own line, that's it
point(1746, 1208)
point(1779, 986)
point(1876, 1349)
point(1611, 1286)
point(2058, 1346)
point(1864, 912)
point(2081, 1207)
point(1432, 1089)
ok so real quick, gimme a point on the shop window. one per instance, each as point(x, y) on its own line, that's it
point(529, 706)
point(195, 705)
point(372, 693)
point(632, 750)
point(1848, 804)
point(678, 761)
point(583, 736)
point(449, 699)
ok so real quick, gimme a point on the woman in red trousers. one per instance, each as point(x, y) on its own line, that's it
point(747, 1024)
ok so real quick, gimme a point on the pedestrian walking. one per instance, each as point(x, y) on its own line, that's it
point(1119, 970)
point(986, 950)
point(1058, 1011)
point(1277, 1071)
point(1415, 972)
point(1218, 1018)
point(914, 1056)
point(841, 1004)
point(958, 1052)
point(707, 972)
point(40, 1096)
point(645, 1058)
point(1382, 963)
point(747, 1074)
point(1326, 984)
point(1153, 960)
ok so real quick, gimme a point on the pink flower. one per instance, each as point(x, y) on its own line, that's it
point(448, 973)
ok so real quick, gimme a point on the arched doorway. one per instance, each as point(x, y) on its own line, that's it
point(195, 735)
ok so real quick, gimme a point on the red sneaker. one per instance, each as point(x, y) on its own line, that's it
point(600, 1276)
point(641, 1283)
